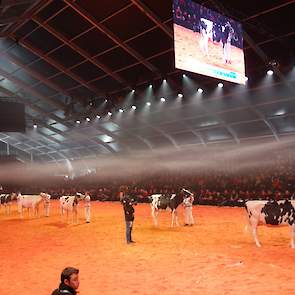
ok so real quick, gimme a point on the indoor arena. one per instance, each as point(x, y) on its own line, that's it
point(147, 147)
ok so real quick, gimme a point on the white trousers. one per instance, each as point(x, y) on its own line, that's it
point(87, 214)
point(189, 219)
point(47, 207)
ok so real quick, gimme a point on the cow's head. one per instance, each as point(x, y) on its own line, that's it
point(80, 196)
point(45, 197)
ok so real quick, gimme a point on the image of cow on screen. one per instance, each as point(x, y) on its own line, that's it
point(207, 42)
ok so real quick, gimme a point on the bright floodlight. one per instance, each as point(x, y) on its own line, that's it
point(98, 116)
point(270, 72)
point(78, 122)
point(35, 125)
point(88, 119)
point(220, 85)
point(163, 99)
point(121, 111)
point(134, 107)
point(200, 90)
point(109, 113)
point(148, 103)
point(180, 95)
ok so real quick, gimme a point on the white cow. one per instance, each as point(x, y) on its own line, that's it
point(31, 202)
point(70, 204)
point(271, 213)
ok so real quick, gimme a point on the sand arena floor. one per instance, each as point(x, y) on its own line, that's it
point(215, 256)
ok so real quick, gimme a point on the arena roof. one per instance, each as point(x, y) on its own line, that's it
point(71, 60)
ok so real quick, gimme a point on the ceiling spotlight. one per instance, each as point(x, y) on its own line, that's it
point(106, 100)
point(109, 113)
point(183, 75)
point(78, 122)
point(150, 85)
point(35, 125)
point(164, 80)
point(88, 119)
point(220, 85)
point(163, 99)
point(133, 90)
point(133, 107)
point(280, 112)
point(98, 116)
point(180, 95)
point(270, 72)
point(121, 110)
point(246, 79)
point(148, 103)
point(200, 90)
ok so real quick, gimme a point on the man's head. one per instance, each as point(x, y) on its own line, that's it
point(70, 277)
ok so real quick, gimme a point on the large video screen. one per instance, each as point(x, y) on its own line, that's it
point(207, 42)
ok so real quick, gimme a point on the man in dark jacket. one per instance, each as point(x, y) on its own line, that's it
point(129, 216)
point(69, 282)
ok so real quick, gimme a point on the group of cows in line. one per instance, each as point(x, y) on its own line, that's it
point(33, 202)
point(260, 212)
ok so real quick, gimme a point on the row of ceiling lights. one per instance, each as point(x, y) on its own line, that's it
point(200, 90)
point(162, 99)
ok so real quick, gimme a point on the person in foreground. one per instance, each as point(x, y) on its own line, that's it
point(69, 282)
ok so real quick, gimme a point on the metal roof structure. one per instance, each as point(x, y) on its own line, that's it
point(69, 60)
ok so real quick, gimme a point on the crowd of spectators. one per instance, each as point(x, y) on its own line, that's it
point(223, 186)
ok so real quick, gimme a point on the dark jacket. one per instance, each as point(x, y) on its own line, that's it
point(64, 290)
point(128, 209)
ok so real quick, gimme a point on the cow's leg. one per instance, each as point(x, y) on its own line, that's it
point(174, 217)
point(254, 225)
point(292, 236)
point(254, 231)
point(75, 214)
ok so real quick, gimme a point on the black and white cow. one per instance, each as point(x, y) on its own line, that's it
point(271, 213)
point(6, 201)
point(166, 201)
point(70, 204)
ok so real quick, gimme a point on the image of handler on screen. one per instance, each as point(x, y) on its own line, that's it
point(227, 36)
